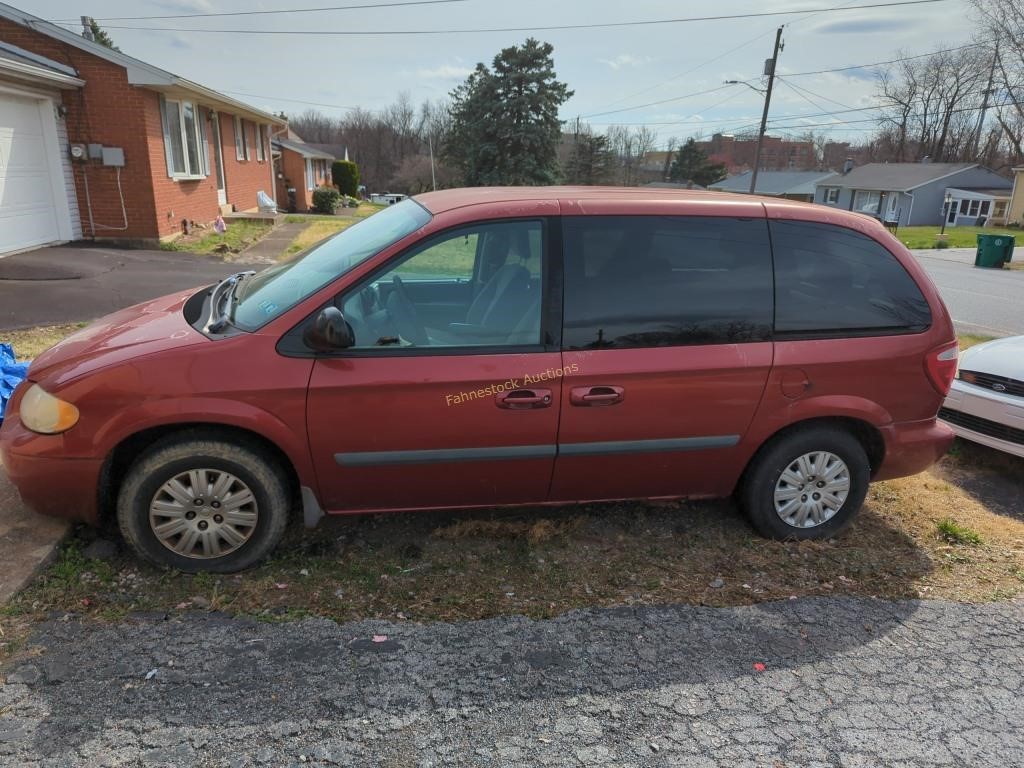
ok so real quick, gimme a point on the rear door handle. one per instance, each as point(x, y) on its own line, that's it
point(595, 396)
point(524, 399)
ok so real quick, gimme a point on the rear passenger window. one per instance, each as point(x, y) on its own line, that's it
point(655, 281)
point(830, 280)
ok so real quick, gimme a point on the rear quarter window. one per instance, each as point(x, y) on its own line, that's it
point(830, 280)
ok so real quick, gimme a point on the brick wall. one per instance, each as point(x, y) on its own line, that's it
point(294, 167)
point(109, 111)
point(245, 177)
point(106, 111)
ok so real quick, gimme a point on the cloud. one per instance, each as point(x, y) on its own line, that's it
point(185, 6)
point(180, 42)
point(865, 26)
point(444, 72)
point(626, 60)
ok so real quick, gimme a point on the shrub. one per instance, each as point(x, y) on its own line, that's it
point(345, 175)
point(326, 199)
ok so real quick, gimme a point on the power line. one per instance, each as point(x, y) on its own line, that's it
point(883, 63)
point(264, 97)
point(264, 13)
point(722, 55)
point(552, 28)
point(655, 103)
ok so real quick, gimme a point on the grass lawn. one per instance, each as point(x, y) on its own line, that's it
point(240, 234)
point(968, 340)
point(957, 237)
point(31, 342)
point(318, 229)
point(940, 534)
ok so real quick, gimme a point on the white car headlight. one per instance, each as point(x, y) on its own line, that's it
point(42, 412)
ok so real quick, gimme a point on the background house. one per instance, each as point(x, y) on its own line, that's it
point(300, 168)
point(793, 185)
point(101, 145)
point(913, 194)
point(777, 154)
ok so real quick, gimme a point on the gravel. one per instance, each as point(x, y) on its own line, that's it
point(845, 682)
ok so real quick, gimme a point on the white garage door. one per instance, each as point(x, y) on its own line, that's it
point(27, 211)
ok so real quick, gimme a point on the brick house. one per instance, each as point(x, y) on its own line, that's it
point(96, 144)
point(300, 167)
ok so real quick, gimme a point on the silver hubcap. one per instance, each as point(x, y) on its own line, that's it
point(812, 489)
point(203, 513)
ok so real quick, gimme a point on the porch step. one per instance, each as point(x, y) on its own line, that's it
point(226, 209)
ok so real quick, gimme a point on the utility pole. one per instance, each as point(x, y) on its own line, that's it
point(984, 102)
point(770, 66)
point(433, 176)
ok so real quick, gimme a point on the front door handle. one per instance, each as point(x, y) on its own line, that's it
point(595, 396)
point(524, 399)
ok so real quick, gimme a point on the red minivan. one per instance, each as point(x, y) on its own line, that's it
point(481, 347)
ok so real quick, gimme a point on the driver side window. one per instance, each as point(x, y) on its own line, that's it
point(476, 286)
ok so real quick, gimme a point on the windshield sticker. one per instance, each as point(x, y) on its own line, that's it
point(268, 307)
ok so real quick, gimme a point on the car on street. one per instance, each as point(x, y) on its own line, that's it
point(502, 346)
point(986, 401)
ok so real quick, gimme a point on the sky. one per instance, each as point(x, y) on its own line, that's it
point(682, 65)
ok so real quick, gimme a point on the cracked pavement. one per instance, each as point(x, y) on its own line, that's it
point(846, 682)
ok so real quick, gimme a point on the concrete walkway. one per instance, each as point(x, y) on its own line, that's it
point(958, 255)
point(271, 248)
point(27, 540)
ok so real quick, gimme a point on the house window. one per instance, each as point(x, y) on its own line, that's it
point(261, 153)
point(831, 195)
point(239, 140)
point(867, 201)
point(183, 146)
point(245, 134)
point(310, 180)
point(964, 206)
point(973, 209)
point(984, 208)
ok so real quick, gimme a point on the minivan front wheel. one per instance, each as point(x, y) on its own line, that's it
point(806, 484)
point(202, 504)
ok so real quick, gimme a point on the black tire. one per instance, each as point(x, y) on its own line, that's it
point(757, 494)
point(169, 458)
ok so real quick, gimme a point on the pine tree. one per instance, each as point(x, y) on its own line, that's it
point(691, 164)
point(100, 36)
point(590, 161)
point(505, 126)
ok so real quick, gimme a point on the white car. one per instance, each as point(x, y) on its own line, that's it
point(986, 403)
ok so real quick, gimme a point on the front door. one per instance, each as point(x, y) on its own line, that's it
point(667, 336)
point(448, 398)
point(218, 159)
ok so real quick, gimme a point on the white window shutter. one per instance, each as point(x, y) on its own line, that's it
point(204, 135)
point(168, 157)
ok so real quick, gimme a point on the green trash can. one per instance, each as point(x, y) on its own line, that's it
point(993, 251)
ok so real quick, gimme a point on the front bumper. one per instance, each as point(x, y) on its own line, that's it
point(912, 447)
point(984, 416)
point(48, 484)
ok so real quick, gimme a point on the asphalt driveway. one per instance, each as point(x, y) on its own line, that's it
point(848, 683)
point(69, 284)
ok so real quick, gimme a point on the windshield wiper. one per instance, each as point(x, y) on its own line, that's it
point(219, 318)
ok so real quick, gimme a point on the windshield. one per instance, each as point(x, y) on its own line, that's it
point(274, 291)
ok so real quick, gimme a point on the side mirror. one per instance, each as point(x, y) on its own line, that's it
point(328, 332)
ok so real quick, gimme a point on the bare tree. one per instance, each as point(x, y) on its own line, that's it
point(1003, 22)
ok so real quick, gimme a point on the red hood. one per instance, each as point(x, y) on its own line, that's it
point(149, 327)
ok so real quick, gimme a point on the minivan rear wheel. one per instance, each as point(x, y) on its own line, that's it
point(806, 484)
point(197, 503)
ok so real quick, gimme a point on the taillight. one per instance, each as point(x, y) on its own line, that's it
point(940, 364)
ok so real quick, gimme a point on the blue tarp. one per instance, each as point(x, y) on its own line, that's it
point(12, 373)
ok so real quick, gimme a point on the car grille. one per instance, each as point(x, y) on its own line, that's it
point(982, 426)
point(1000, 384)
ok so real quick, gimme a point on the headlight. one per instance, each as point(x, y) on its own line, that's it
point(42, 412)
